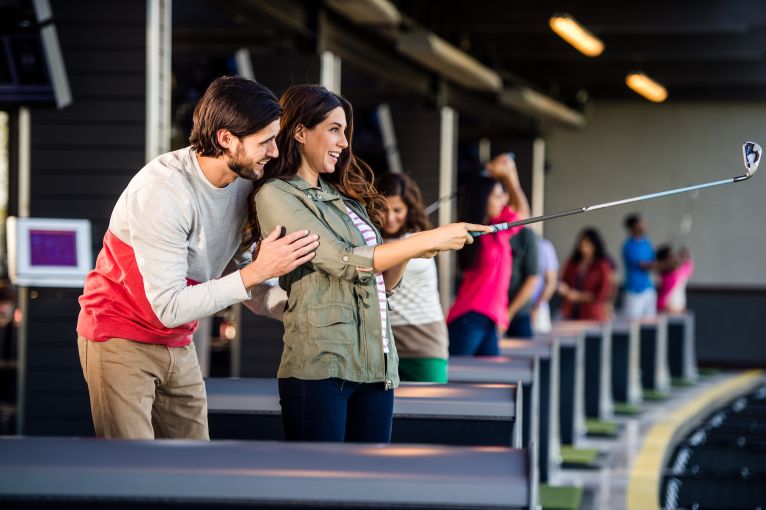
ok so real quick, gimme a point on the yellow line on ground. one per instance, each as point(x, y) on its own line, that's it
point(646, 472)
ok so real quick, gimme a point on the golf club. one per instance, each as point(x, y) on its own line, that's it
point(435, 205)
point(751, 153)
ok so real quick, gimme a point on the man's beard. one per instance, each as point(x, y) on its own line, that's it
point(243, 166)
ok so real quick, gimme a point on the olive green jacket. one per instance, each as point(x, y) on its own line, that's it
point(332, 322)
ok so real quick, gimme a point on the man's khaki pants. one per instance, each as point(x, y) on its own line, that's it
point(144, 391)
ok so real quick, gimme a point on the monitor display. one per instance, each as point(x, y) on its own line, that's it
point(48, 252)
point(53, 248)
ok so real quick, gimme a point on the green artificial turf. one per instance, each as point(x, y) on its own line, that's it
point(578, 457)
point(596, 427)
point(625, 409)
point(681, 382)
point(560, 498)
point(654, 395)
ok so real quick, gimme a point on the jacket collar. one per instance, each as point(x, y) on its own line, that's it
point(322, 192)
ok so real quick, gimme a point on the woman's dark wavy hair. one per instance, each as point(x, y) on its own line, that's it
point(474, 210)
point(389, 185)
point(242, 106)
point(307, 106)
point(599, 248)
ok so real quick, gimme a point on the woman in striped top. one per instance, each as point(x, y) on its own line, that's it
point(339, 362)
point(417, 318)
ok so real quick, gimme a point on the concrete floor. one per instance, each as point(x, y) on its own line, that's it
point(606, 487)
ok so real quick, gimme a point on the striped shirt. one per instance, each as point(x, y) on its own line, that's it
point(416, 300)
point(371, 240)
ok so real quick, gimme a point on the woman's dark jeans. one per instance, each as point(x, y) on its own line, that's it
point(473, 334)
point(336, 410)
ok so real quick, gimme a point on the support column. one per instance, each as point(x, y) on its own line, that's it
point(427, 145)
point(537, 191)
point(158, 76)
point(329, 72)
point(83, 156)
point(447, 187)
point(24, 136)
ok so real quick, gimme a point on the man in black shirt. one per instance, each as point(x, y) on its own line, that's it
point(523, 281)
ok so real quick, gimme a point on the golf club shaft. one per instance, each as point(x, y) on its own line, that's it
point(438, 203)
point(505, 226)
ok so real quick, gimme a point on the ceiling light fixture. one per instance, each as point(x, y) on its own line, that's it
point(647, 87)
point(576, 35)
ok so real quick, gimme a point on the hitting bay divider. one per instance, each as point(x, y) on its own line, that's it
point(571, 358)
point(598, 365)
point(682, 354)
point(626, 364)
point(455, 414)
point(505, 370)
point(90, 474)
point(655, 374)
point(544, 353)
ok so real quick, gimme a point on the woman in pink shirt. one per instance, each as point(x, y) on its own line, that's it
point(675, 271)
point(480, 310)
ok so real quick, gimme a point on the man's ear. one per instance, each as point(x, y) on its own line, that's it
point(300, 133)
point(224, 137)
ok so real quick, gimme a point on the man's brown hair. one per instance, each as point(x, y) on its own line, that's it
point(242, 106)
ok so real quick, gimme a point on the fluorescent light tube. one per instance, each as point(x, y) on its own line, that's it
point(576, 35)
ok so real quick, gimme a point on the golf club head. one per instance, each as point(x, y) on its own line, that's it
point(751, 152)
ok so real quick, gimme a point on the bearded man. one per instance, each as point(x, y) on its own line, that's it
point(172, 255)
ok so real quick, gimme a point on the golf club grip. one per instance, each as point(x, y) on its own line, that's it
point(498, 227)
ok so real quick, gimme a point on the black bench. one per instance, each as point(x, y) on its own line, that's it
point(571, 376)
point(626, 362)
point(598, 365)
point(533, 372)
point(94, 474)
point(456, 414)
point(682, 355)
point(655, 374)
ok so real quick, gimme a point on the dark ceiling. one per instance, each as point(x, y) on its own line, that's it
point(698, 49)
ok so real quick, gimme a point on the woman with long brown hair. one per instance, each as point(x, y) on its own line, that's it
point(480, 313)
point(586, 281)
point(339, 364)
point(417, 318)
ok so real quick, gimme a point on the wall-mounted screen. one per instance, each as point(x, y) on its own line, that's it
point(46, 252)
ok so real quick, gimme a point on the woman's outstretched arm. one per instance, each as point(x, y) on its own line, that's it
point(391, 258)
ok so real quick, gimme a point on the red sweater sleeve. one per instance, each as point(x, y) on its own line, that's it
point(603, 290)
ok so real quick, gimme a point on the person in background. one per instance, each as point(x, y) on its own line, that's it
point(675, 270)
point(638, 257)
point(586, 281)
point(8, 311)
point(339, 363)
point(417, 318)
point(548, 271)
point(524, 280)
point(480, 312)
